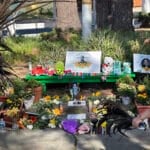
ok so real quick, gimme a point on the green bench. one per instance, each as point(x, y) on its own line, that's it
point(46, 79)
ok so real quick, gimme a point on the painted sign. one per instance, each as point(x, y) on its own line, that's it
point(84, 62)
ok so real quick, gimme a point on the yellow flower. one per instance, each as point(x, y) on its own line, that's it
point(141, 88)
point(142, 95)
point(56, 111)
point(56, 97)
point(82, 97)
point(47, 98)
point(53, 121)
point(12, 112)
point(93, 94)
point(104, 124)
point(97, 93)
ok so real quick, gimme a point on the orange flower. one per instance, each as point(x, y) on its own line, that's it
point(57, 111)
point(97, 93)
point(47, 98)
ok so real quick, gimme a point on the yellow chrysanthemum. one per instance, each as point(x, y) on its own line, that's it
point(57, 111)
point(56, 97)
point(98, 93)
point(53, 121)
point(12, 112)
point(141, 88)
point(47, 98)
point(142, 95)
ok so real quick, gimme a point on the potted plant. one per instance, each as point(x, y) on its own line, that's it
point(143, 95)
point(6, 74)
point(36, 88)
point(126, 89)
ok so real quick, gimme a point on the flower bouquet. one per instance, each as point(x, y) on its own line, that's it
point(13, 114)
point(124, 89)
point(143, 95)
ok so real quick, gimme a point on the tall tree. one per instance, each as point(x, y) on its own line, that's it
point(67, 15)
point(116, 14)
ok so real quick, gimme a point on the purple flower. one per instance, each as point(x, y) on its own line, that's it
point(70, 125)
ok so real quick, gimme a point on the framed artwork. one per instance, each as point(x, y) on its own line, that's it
point(141, 63)
point(83, 61)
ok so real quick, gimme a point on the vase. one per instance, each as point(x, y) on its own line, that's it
point(126, 100)
point(29, 102)
point(37, 93)
point(142, 108)
point(15, 124)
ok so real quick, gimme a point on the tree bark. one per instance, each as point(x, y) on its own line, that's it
point(115, 14)
point(67, 15)
point(122, 14)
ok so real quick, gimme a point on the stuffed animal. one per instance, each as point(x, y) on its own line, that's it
point(107, 66)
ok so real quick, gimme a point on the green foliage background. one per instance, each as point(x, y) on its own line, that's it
point(53, 45)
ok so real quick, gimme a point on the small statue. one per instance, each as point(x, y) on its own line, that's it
point(74, 91)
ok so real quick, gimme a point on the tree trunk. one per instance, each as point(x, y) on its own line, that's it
point(67, 15)
point(122, 14)
point(115, 14)
point(103, 12)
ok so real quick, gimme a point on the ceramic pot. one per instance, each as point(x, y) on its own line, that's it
point(37, 93)
point(126, 100)
point(141, 108)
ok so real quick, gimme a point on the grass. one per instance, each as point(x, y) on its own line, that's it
point(53, 45)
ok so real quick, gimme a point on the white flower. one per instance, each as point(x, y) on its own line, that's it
point(55, 101)
point(30, 126)
point(96, 102)
point(43, 117)
point(51, 125)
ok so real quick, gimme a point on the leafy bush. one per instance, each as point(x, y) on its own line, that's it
point(53, 45)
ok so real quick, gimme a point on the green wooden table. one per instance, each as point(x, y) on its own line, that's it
point(85, 78)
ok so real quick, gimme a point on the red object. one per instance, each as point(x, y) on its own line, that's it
point(3, 98)
point(67, 71)
point(141, 108)
point(38, 70)
point(51, 72)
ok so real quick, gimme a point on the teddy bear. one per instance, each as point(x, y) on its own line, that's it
point(107, 67)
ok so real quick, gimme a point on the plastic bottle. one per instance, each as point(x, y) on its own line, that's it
point(2, 125)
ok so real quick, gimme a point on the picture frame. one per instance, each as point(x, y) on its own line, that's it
point(141, 63)
point(83, 61)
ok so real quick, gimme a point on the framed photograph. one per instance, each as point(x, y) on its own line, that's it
point(141, 63)
point(83, 61)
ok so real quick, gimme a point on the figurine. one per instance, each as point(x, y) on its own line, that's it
point(74, 91)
